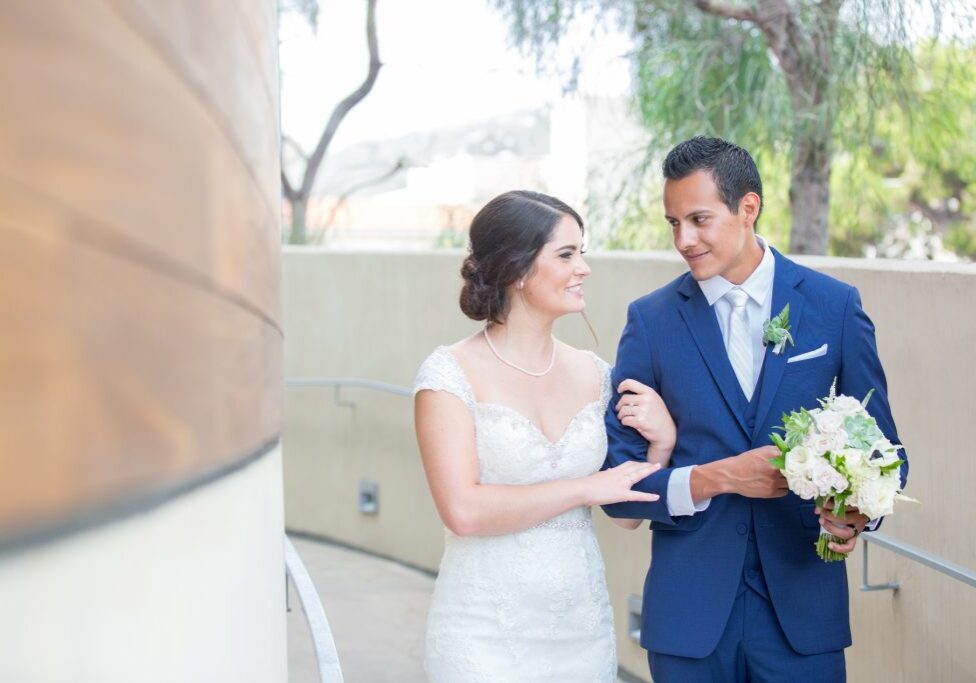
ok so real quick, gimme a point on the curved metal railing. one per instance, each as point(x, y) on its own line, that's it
point(325, 649)
point(318, 625)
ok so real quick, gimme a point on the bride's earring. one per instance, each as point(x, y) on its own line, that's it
point(521, 284)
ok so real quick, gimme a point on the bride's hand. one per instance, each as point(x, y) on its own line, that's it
point(644, 410)
point(615, 484)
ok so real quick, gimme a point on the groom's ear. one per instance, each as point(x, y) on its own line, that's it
point(749, 207)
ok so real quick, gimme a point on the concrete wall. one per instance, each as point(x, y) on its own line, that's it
point(191, 591)
point(376, 315)
point(141, 512)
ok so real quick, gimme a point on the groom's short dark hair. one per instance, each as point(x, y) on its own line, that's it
point(731, 167)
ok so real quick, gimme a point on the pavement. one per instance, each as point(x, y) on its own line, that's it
point(377, 611)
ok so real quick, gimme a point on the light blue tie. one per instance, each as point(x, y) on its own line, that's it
point(739, 342)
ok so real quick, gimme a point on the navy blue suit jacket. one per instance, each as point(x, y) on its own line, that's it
point(672, 342)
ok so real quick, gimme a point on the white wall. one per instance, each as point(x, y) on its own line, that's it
point(190, 591)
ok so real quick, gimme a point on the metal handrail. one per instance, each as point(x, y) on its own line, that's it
point(325, 649)
point(350, 382)
point(318, 625)
point(950, 569)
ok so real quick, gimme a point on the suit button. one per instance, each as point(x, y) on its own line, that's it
point(742, 529)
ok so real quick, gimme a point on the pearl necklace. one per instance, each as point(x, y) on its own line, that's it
point(552, 361)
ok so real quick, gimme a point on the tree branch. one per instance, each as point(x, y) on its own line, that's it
point(347, 104)
point(288, 140)
point(286, 185)
point(401, 164)
point(779, 25)
point(726, 10)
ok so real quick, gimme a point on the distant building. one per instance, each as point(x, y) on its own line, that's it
point(421, 190)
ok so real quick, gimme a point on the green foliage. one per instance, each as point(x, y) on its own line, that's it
point(640, 226)
point(797, 424)
point(451, 238)
point(700, 75)
point(900, 111)
point(776, 330)
point(308, 9)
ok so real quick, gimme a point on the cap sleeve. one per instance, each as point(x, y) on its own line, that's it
point(606, 391)
point(442, 372)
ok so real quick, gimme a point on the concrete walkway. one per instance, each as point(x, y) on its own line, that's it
point(377, 611)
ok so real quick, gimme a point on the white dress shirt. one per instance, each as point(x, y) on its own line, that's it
point(759, 287)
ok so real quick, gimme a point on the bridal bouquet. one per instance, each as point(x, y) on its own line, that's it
point(837, 452)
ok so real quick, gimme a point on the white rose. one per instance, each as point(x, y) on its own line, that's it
point(819, 443)
point(853, 458)
point(845, 405)
point(857, 466)
point(827, 480)
point(829, 422)
point(798, 461)
point(876, 497)
point(838, 441)
point(804, 488)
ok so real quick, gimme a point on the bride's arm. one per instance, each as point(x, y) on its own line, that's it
point(445, 434)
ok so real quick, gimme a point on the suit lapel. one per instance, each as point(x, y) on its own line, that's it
point(701, 322)
point(785, 280)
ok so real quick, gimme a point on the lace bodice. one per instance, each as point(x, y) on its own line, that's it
point(511, 448)
point(533, 605)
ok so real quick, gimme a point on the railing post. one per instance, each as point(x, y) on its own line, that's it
point(866, 585)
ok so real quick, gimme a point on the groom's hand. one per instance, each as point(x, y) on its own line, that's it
point(846, 527)
point(749, 474)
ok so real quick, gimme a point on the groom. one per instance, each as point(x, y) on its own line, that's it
point(735, 591)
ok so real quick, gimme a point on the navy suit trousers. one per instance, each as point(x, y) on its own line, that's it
point(753, 647)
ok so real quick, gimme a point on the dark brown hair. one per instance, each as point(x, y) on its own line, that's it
point(731, 167)
point(506, 236)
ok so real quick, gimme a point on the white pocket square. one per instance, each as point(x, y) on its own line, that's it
point(816, 353)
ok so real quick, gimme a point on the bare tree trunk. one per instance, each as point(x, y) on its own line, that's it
point(299, 209)
point(810, 190)
point(805, 54)
point(298, 196)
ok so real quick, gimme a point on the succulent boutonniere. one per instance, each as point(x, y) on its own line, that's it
point(777, 331)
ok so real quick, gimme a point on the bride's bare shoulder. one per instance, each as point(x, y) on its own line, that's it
point(586, 363)
point(468, 347)
point(578, 355)
point(473, 356)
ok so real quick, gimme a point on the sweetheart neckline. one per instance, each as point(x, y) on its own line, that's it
point(538, 430)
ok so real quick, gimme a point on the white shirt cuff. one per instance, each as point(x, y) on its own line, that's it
point(870, 526)
point(680, 502)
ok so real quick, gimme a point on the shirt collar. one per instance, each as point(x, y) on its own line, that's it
point(758, 285)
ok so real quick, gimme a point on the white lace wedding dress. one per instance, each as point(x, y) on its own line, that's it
point(529, 606)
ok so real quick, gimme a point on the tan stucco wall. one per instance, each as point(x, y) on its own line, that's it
point(377, 315)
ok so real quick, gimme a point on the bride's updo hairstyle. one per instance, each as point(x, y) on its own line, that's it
point(506, 236)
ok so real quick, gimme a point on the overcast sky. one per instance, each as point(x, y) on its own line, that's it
point(446, 63)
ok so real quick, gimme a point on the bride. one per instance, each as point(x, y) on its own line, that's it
point(510, 427)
